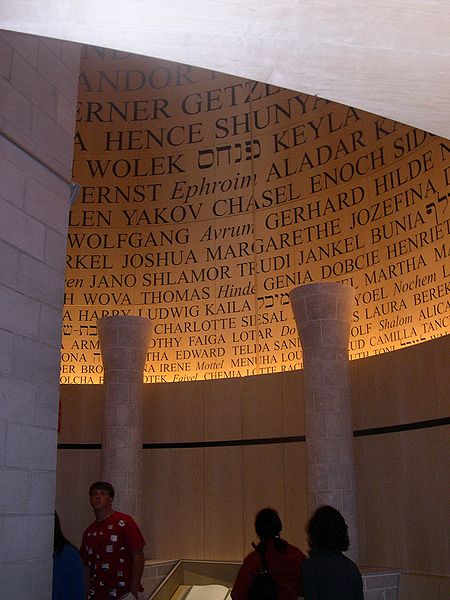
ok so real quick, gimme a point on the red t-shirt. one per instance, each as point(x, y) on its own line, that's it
point(106, 549)
point(285, 568)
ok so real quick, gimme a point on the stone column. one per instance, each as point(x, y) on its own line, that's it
point(323, 312)
point(123, 344)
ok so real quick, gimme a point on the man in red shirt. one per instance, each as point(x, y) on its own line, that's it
point(111, 549)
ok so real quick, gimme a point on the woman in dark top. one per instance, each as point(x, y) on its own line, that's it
point(283, 560)
point(327, 573)
point(68, 575)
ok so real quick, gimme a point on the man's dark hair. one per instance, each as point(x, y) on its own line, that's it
point(102, 485)
point(327, 530)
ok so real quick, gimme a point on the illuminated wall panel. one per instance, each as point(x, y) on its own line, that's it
point(205, 198)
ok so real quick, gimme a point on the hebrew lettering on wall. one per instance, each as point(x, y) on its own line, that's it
point(205, 198)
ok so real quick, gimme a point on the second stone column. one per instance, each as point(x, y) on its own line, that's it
point(323, 312)
point(124, 342)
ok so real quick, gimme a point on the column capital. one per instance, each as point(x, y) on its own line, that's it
point(124, 342)
point(323, 313)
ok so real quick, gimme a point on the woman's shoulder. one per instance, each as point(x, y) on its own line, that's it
point(295, 551)
point(320, 557)
point(251, 562)
point(350, 563)
point(251, 557)
point(70, 553)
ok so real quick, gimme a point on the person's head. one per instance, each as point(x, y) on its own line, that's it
point(327, 530)
point(268, 524)
point(101, 495)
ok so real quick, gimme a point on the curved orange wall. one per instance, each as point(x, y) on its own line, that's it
point(205, 198)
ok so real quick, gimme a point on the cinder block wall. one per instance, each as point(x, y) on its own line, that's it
point(38, 90)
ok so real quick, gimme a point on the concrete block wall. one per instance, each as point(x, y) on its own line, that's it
point(380, 584)
point(155, 572)
point(38, 90)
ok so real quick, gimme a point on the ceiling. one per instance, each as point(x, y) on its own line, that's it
point(389, 57)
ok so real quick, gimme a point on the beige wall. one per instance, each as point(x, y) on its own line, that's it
point(330, 193)
point(200, 502)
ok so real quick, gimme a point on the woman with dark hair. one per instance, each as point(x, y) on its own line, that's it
point(327, 573)
point(283, 560)
point(68, 572)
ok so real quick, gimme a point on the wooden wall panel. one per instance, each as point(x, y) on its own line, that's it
point(424, 495)
point(409, 384)
point(263, 485)
point(262, 407)
point(173, 412)
point(439, 350)
point(223, 486)
point(293, 409)
point(76, 470)
point(174, 503)
point(401, 476)
point(296, 495)
point(367, 387)
point(81, 414)
point(223, 409)
point(381, 481)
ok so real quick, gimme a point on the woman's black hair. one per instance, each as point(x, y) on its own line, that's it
point(327, 530)
point(268, 526)
point(59, 540)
